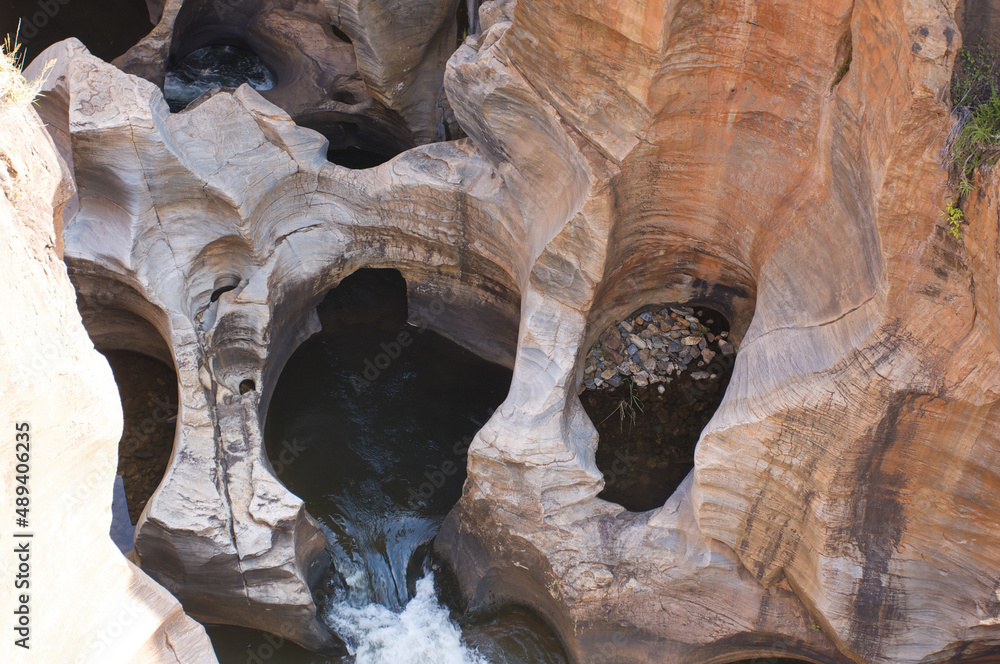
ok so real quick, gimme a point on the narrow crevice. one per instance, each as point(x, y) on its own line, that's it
point(845, 53)
point(148, 390)
point(217, 293)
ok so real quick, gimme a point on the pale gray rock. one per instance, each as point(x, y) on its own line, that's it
point(87, 602)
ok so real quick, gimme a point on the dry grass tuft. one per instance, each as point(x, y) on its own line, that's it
point(14, 89)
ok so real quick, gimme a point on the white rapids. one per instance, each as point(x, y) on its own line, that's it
point(422, 633)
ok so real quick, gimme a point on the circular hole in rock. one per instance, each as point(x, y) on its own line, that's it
point(356, 158)
point(651, 384)
point(247, 385)
point(353, 144)
point(148, 391)
point(370, 422)
point(214, 66)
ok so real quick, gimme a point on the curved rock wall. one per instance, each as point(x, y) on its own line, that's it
point(752, 179)
point(382, 68)
point(777, 161)
point(56, 383)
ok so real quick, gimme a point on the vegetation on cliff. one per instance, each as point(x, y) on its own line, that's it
point(975, 94)
point(14, 89)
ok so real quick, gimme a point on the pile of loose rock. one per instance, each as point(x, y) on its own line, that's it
point(655, 347)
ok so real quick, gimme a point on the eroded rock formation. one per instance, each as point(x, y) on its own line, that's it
point(780, 162)
point(87, 602)
point(374, 68)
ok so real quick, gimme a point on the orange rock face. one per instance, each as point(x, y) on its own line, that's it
point(781, 162)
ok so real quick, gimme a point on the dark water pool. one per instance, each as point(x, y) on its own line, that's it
point(648, 435)
point(107, 27)
point(212, 66)
point(369, 423)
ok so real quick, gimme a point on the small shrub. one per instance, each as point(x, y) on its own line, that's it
point(14, 89)
point(955, 218)
point(628, 409)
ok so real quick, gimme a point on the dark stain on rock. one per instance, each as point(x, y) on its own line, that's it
point(924, 31)
point(993, 603)
point(876, 528)
point(916, 48)
point(949, 34)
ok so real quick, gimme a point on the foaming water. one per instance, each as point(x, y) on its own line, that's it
point(422, 633)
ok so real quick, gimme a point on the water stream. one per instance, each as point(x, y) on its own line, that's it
point(369, 424)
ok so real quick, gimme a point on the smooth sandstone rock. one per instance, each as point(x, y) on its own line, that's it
point(843, 503)
point(87, 602)
point(221, 532)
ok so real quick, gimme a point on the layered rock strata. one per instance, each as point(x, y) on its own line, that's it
point(368, 72)
point(779, 162)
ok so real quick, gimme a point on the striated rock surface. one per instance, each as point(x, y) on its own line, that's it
point(254, 237)
point(402, 48)
point(87, 602)
point(753, 179)
point(779, 162)
point(379, 75)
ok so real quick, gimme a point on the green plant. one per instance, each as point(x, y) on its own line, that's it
point(975, 94)
point(627, 407)
point(955, 218)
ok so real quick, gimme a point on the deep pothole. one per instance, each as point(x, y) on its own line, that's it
point(370, 423)
point(651, 384)
point(222, 65)
point(355, 141)
point(148, 391)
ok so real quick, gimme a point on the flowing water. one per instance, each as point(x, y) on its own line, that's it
point(214, 66)
point(369, 424)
